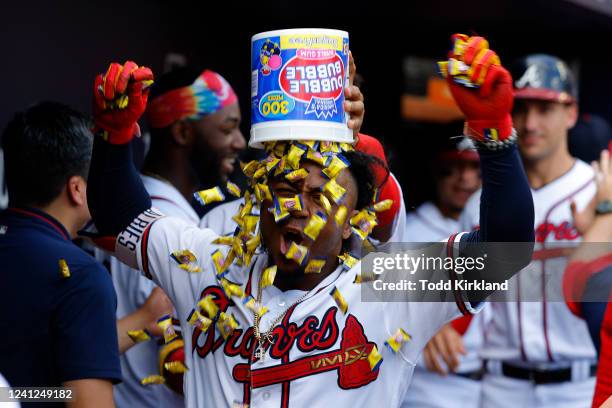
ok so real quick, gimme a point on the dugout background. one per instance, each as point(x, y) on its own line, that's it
point(53, 49)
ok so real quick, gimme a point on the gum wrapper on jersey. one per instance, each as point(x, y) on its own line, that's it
point(339, 299)
point(396, 341)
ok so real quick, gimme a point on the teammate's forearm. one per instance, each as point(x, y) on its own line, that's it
point(115, 193)
point(596, 240)
point(135, 321)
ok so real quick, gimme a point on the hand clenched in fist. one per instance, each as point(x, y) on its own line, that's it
point(120, 98)
point(481, 87)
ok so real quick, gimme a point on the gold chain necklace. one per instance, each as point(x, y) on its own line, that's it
point(263, 338)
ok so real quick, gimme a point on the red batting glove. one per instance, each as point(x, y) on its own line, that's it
point(120, 98)
point(481, 87)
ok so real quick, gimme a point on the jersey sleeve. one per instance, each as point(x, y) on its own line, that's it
point(422, 319)
point(85, 325)
point(149, 244)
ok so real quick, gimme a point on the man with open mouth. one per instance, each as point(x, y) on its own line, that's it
point(272, 313)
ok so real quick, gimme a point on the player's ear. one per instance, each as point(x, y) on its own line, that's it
point(76, 188)
point(182, 133)
point(572, 115)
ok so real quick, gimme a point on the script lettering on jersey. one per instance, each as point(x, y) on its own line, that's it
point(561, 232)
point(310, 335)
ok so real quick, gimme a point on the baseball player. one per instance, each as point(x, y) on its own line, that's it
point(258, 329)
point(171, 176)
point(587, 281)
point(537, 353)
point(450, 369)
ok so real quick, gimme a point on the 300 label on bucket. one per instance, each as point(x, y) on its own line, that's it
point(275, 105)
point(299, 77)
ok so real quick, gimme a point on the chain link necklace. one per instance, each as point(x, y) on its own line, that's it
point(263, 338)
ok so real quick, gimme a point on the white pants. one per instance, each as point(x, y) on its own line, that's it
point(499, 391)
point(431, 390)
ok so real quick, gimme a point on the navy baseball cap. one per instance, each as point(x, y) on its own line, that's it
point(543, 77)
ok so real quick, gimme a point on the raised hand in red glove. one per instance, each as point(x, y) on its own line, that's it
point(120, 98)
point(481, 87)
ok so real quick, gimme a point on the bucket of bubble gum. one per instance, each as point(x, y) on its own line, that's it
point(298, 78)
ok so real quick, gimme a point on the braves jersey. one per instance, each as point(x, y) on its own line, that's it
point(319, 353)
point(539, 332)
point(132, 290)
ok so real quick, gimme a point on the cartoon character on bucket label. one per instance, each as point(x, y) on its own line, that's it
point(270, 58)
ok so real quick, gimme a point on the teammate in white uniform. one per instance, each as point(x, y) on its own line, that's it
point(213, 131)
point(434, 383)
point(310, 348)
point(538, 353)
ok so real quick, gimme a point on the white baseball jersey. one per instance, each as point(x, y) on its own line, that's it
point(319, 356)
point(428, 224)
point(541, 333)
point(132, 290)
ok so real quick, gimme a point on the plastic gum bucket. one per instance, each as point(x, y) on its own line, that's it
point(297, 86)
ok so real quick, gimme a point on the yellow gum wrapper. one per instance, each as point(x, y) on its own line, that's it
point(63, 268)
point(246, 208)
point(341, 214)
point(210, 196)
point(296, 175)
point(282, 166)
point(295, 154)
point(138, 336)
point(153, 379)
point(237, 247)
point(365, 277)
point(331, 147)
point(260, 172)
point(249, 168)
point(339, 299)
point(208, 306)
point(335, 166)
point(348, 260)
point(271, 162)
point(250, 222)
point(315, 225)
point(262, 192)
point(396, 341)
point(375, 359)
point(253, 243)
point(267, 277)
point(255, 307)
point(226, 324)
point(316, 157)
point(220, 261)
point(196, 319)
point(233, 189)
point(335, 190)
point(279, 149)
point(224, 240)
point(315, 266)
point(347, 147)
point(232, 289)
point(326, 204)
point(165, 324)
point(383, 205)
point(291, 203)
point(176, 367)
point(297, 253)
point(363, 223)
